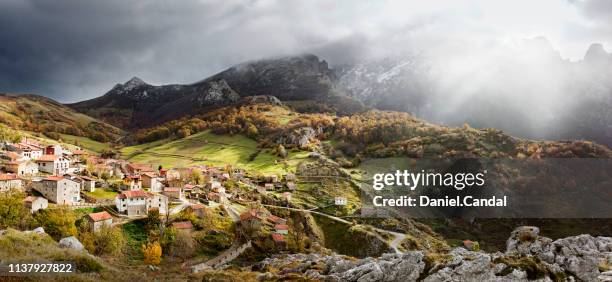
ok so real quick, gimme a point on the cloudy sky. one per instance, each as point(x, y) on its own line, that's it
point(72, 50)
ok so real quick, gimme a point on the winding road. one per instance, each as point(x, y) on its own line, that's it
point(394, 244)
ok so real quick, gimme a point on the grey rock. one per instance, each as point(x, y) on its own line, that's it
point(71, 243)
point(39, 230)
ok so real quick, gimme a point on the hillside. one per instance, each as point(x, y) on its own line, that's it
point(39, 114)
point(136, 104)
point(373, 134)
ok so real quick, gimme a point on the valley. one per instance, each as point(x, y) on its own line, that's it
point(230, 175)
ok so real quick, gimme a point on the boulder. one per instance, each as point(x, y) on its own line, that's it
point(39, 230)
point(71, 243)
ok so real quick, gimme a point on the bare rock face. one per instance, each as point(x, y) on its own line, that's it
point(389, 267)
point(582, 255)
point(578, 255)
point(529, 257)
point(71, 243)
point(300, 137)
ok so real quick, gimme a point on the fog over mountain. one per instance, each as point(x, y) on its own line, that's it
point(517, 65)
point(527, 89)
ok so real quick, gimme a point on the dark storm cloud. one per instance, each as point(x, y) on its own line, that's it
point(73, 50)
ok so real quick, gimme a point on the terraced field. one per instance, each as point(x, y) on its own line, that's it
point(209, 148)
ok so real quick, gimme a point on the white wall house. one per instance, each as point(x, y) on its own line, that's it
point(59, 190)
point(28, 151)
point(10, 182)
point(138, 202)
point(34, 204)
point(52, 164)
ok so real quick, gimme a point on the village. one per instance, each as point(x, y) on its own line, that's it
point(120, 191)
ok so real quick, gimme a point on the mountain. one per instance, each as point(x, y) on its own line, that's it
point(40, 114)
point(136, 104)
point(531, 92)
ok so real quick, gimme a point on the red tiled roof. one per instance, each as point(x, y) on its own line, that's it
point(8, 177)
point(48, 158)
point(12, 155)
point(182, 225)
point(281, 227)
point(78, 152)
point(274, 218)
point(189, 186)
point(142, 167)
point(134, 194)
point(98, 216)
point(172, 189)
point(150, 174)
point(278, 237)
point(54, 178)
point(249, 214)
point(197, 207)
point(30, 199)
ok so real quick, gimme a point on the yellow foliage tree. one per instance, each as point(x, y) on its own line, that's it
point(152, 253)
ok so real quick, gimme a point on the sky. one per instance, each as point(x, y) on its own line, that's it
point(72, 50)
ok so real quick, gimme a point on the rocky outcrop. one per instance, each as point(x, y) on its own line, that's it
point(71, 243)
point(301, 137)
point(578, 255)
point(529, 257)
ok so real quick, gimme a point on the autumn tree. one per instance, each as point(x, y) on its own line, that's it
point(58, 222)
point(152, 253)
point(12, 211)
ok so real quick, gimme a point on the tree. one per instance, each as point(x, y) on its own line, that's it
point(58, 222)
point(108, 241)
point(183, 132)
point(280, 150)
point(9, 135)
point(152, 253)
point(12, 211)
point(183, 246)
point(252, 130)
point(196, 176)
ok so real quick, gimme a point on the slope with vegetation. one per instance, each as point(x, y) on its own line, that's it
point(40, 114)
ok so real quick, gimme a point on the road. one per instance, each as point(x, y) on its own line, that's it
point(394, 244)
point(184, 204)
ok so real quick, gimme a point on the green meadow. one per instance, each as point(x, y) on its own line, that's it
point(208, 148)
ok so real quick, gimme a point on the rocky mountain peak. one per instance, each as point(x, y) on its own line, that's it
point(596, 53)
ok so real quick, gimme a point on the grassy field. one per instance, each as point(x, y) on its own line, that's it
point(212, 149)
point(100, 193)
point(85, 143)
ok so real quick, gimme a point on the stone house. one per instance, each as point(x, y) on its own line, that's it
point(132, 182)
point(173, 192)
point(138, 202)
point(52, 164)
point(9, 182)
point(34, 204)
point(58, 189)
point(279, 240)
point(99, 219)
point(281, 229)
point(198, 209)
point(135, 168)
point(26, 150)
point(183, 226)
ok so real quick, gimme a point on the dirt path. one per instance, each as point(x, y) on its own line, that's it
point(394, 244)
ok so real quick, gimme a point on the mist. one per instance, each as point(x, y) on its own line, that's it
point(515, 65)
